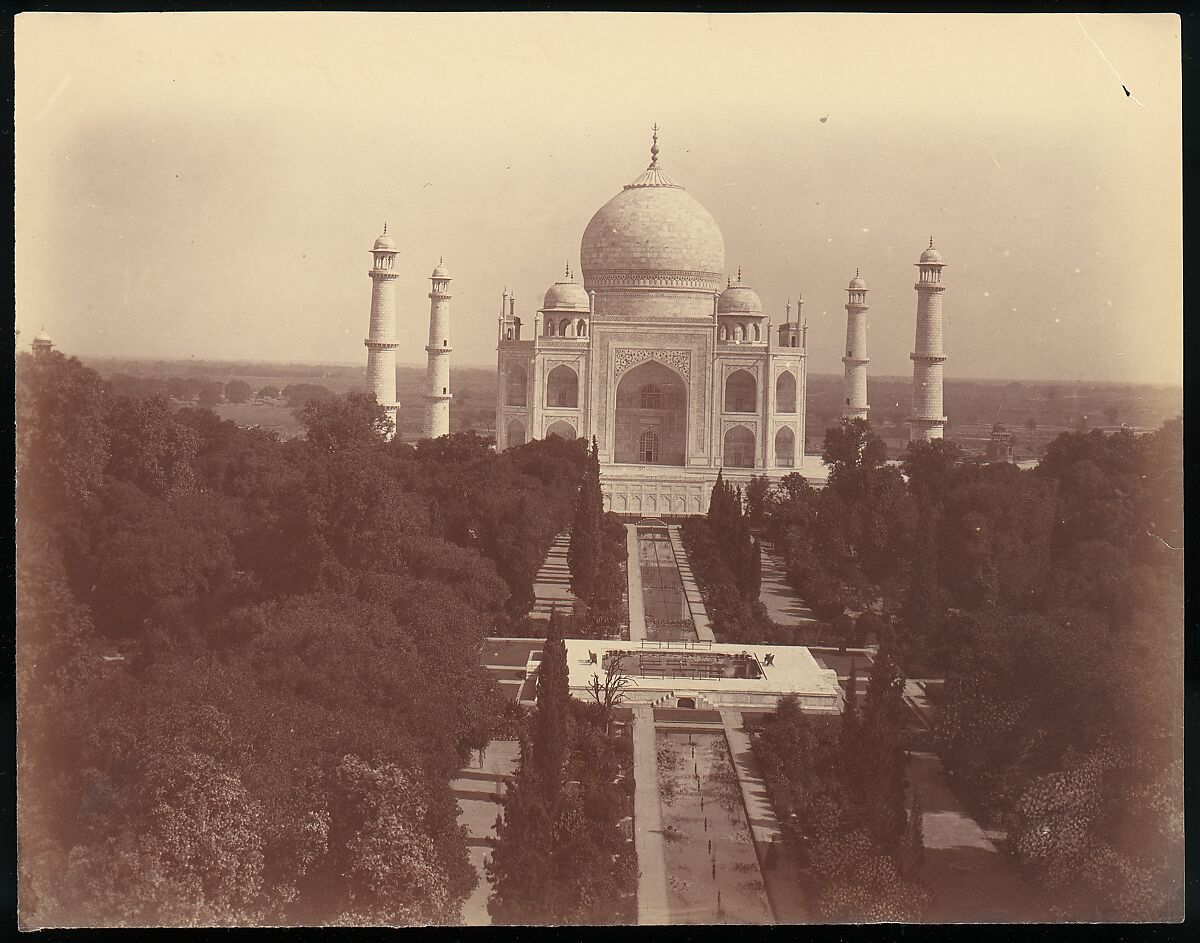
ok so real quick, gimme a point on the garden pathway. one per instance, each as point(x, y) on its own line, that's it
point(780, 872)
point(633, 573)
point(479, 789)
point(782, 602)
point(972, 881)
point(552, 585)
point(695, 601)
point(653, 907)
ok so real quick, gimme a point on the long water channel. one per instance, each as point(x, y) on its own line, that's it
point(667, 615)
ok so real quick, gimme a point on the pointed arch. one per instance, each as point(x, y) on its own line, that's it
point(516, 383)
point(741, 392)
point(514, 433)
point(562, 429)
point(562, 387)
point(785, 448)
point(739, 448)
point(651, 397)
point(785, 392)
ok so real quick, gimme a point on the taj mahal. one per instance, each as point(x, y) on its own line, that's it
point(670, 363)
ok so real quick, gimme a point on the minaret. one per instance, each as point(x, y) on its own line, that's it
point(927, 420)
point(437, 373)
point(381, 341)
point(854, 383)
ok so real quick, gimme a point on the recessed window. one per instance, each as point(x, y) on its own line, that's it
point(651, 397)
point(648, 447)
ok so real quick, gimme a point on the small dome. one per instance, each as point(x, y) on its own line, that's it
point(441, 271)
point(386, 242)
point(931, 254)
point(857, 283)
point(739, 299)
point(42, 337)
point(566, 296)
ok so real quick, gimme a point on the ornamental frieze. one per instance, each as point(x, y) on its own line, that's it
point(678, 360)
point(750, 425)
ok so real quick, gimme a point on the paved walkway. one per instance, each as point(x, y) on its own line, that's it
point(691, 591)
point(781, 600)
point(478, 790)
point(653, 905)
point(633, 572)
point(781, 877)
point(551, 586)
point(971, 880)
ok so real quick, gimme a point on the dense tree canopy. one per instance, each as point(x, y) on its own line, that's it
point(248, 668)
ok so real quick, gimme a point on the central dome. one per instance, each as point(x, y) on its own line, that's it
point(653, 234)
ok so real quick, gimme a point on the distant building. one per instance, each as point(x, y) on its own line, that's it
point(42, 344)
point(999, 448)
point(674, 376)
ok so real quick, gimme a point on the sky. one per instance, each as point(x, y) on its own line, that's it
point(209, 185)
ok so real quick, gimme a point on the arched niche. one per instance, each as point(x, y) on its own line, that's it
point(651, 397)
point(516, 382)
point(785, 392)
point(741, 392)
point(739, 448)
point(562, 387)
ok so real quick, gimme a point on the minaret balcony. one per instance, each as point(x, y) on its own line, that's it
point(429, 349)
point(927, 358)
point(380, 345)
point(856, 361)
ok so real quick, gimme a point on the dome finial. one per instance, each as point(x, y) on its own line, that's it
point(931, 242)
point(739, 274)
point(856, 274)
point(385, 227)
point(568, 271)
point(654, 145)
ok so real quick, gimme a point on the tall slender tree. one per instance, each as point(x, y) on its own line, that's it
point(883, 759)
point(583, 553)
point(551, 729)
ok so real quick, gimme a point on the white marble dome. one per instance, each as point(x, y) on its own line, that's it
point(739, 299)
point(653, 234)
point(566, 296)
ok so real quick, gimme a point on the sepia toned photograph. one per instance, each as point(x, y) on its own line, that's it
point(574, 469)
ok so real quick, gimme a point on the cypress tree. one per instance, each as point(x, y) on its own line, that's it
point(520, 865)
point(583, 552)
point(921, 610)
point(883, 759)
point(850, 740)
point(551, 726)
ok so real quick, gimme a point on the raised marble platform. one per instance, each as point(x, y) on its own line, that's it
point(670, 490)
point(792, 670)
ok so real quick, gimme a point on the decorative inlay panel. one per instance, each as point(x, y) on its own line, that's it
point(678, 360)
point(751, 425)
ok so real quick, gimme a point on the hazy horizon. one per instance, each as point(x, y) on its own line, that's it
point(208, 185)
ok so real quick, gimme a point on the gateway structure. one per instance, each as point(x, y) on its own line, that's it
point(669, 364)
